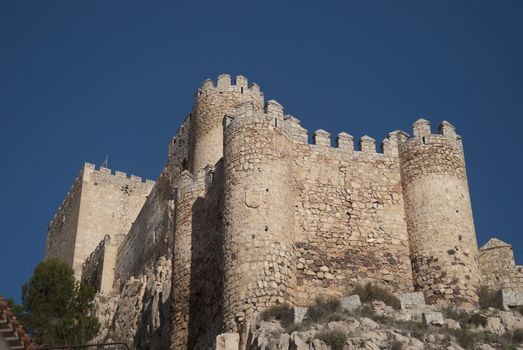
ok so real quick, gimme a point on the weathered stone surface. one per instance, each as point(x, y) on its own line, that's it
point(498, 268)
point(433, 318)
point(350, 302)
point(510, 298)
point(296, 343)
point(228, 341)
point(494, 325)
point(410, 300)
point(299, 314)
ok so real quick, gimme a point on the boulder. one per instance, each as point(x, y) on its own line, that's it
point(433, 318)
point(452, 324)
point(412, 300)
point(509, 299)
point(368, 324)
point(510, 321)
point(228, 341)
point(299, 314)
point(296, 343)
point(317, 344)
point(351, 302)
point(494, 325)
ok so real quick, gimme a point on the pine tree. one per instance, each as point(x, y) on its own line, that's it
point(57, 307)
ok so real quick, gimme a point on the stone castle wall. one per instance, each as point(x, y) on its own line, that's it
point(247, 214)
point(498, 269)
point(350, 218)
point(109, 205)
point(61, 233)
point(444, 251)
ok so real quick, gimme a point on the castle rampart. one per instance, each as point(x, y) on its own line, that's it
point(247, 214)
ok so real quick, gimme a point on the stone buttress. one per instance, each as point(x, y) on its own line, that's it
point(444, 251)
point(258, 213)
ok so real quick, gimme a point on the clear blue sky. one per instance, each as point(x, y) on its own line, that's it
point(80, 79)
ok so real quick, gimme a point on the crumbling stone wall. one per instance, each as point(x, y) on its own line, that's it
point(498, 268)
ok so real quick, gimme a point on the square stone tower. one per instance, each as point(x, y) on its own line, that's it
point(99, 203)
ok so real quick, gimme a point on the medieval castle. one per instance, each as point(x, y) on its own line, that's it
point(247, 214)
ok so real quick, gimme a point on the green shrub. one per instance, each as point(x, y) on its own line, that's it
point(324, 309)
point(396, 345)
point(487, 297)
point(370, 292)
point(466, 338)
point(465, 318)
point(335, 338)
point(517, 336)
point(282, 313)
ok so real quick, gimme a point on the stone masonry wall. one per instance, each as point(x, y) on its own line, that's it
point(439, 216)
point(211, 105)
point(109, 205)
point(61, 234)
point(498, 269)
point(98, 268)
point(246, 214)
point(150, 235)
point(259, 216)
point(350, 218)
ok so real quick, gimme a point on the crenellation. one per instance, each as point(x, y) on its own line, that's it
point(421, 128)
point(321, 138)
point(224, 81)
point(274, 109)
point(345, 142)
point(367, 144)
point(241, 81)
point(447, 129)
point(248, 214)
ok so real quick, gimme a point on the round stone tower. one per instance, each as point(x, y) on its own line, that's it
point(211, 105)
point(258, 214)
point(444, 251)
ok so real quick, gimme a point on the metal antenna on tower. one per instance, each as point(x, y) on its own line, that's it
point(105, 164)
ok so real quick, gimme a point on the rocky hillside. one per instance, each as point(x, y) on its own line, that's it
point(346, 324)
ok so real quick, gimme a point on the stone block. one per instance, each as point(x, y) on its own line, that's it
point(433, 318)
point(412, 300)
point(351, 302)
point(510, 299)
point(228, 341)
point(299, 314)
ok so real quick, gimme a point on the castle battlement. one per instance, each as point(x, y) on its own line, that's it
point(109, 174)
point(225, 83)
